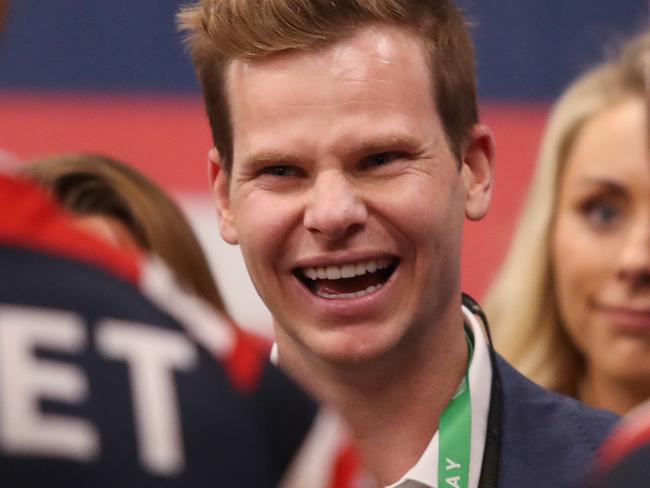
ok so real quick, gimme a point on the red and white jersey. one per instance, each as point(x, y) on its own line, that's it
point(111, 375)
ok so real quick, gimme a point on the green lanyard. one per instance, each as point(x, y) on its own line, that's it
point(455, 433)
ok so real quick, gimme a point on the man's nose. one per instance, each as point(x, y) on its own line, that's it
point(335, 210)
point(634, 264)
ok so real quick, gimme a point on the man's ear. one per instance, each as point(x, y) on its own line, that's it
point(221, 192)
point(477, 171)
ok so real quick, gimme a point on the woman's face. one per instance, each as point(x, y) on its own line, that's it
point(601, 244)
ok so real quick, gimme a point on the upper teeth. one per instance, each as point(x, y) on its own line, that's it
point(347, 270)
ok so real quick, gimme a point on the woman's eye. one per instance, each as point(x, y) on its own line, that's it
point(602, 214)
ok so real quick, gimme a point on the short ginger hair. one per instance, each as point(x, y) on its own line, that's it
point(219, 31)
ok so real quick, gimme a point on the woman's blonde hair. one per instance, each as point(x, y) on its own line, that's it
point(521, 303)
point(88, 184)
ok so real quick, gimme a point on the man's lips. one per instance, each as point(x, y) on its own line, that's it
point(353, 279)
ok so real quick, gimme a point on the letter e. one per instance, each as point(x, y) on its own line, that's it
point(25, 380)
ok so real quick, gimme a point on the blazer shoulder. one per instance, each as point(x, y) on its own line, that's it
point(545, 435)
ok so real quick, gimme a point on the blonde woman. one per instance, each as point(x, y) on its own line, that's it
point(571, 305)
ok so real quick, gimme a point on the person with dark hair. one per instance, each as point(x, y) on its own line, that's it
point(114, 200)
point(111, 375)
point(348, 153)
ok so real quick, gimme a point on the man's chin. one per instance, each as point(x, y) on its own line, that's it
point(338, 345)
point(350, 350)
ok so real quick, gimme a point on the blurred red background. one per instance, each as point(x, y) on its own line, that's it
point(167, 137)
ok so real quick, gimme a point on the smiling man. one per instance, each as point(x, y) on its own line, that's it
point(348, 155)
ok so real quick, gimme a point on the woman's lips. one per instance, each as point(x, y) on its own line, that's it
point(629, 319)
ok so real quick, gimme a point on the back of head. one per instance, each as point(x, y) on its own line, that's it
point(92, 185)
point(219, 31)
point(112, 376)
point(522, 303)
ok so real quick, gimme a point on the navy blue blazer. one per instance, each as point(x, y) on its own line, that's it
point(547, 440)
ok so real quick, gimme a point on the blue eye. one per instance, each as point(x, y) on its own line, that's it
point(602, 214)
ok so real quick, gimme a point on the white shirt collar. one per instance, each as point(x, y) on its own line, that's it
point(425, 472)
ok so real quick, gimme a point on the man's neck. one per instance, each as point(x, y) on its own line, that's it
point(392, 405)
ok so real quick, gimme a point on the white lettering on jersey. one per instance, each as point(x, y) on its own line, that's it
point(152, 354)
point(25, 380)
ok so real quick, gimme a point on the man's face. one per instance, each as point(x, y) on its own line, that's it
point(344, 196)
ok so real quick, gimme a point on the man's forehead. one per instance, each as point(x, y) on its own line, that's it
point(350, 57)
point(358, 82)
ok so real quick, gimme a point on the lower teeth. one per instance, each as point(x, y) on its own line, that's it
point(357, 294)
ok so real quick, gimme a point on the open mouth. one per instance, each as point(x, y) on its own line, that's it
point(351, 280)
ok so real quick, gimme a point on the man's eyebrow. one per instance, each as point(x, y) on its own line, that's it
point(388, 142)
point(271, 157)
point(378, 144)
